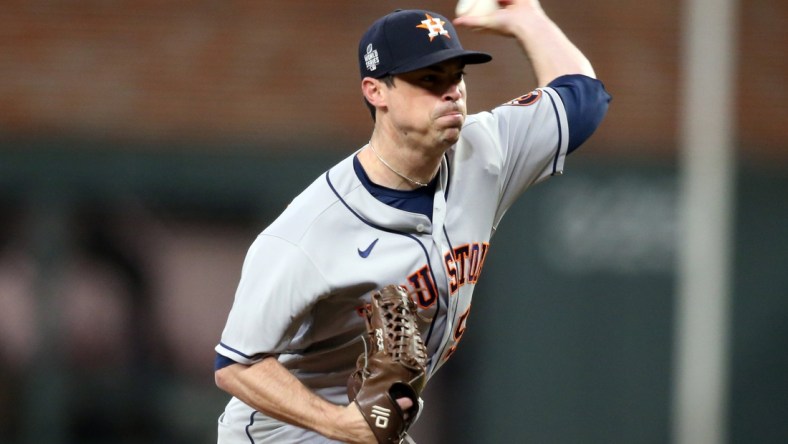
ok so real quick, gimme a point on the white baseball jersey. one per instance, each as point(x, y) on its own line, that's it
point(306, 276)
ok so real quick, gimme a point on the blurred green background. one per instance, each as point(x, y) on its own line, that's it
point(143, 145)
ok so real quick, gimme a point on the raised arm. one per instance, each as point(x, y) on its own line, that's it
point(551, 53)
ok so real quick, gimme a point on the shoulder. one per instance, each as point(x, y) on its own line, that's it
point(517, 120)
point(314, 204)
point(539, 105)
point(586, 102)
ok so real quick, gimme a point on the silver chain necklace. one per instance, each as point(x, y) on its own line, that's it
point(414, 182)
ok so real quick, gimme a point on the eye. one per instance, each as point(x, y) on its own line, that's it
point(429, 78)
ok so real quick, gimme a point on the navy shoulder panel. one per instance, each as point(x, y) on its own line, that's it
point(586, 102)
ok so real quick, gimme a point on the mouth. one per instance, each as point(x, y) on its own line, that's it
point(450, 109)
point(452, 113)
point(452, 118)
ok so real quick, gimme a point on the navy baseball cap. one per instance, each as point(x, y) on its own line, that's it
point(411, 39)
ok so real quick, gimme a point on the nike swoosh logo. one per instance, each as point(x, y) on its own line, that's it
point(366, 252)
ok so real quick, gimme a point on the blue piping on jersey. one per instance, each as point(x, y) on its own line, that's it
point(560, 135)
point(389, 230)
point(451, 251)
point(248, 426)
point(448, 177)
point(238, 352)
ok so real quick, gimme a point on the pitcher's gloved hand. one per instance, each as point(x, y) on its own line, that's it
point(392, 367)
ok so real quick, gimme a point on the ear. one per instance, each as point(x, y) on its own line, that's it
point(374, 91)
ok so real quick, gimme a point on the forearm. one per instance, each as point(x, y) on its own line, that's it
point(551, 53)
point(270, 388)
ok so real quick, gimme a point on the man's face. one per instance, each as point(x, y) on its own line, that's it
point(428, 105)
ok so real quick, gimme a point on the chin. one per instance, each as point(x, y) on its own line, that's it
point(451, 136)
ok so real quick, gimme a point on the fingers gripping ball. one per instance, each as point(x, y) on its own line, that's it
point(393, 365)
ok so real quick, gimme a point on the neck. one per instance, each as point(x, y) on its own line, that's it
point(395, 171)
point(398, 168)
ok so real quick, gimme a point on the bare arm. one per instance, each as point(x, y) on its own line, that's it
point(270, 388)
point(551, 53)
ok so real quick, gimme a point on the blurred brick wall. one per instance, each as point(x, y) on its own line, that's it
point(281, 71)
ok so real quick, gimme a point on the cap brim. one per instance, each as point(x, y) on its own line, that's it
point(469, 57)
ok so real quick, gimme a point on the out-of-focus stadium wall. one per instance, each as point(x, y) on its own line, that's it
point(144, 144)
point(259, 72)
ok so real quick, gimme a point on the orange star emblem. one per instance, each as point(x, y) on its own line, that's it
point(434, 26)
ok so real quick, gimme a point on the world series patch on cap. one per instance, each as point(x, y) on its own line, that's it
point(411, 39)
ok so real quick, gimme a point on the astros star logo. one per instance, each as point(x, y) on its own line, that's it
point(434, 26)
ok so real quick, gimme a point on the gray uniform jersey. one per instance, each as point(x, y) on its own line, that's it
point(306, 276)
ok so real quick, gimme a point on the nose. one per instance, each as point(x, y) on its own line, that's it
point(453, 93)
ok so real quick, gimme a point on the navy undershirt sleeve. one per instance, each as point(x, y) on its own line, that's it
point(586, 102)
point(221, 362)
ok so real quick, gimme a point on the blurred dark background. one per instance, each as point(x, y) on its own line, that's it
point(144, 144)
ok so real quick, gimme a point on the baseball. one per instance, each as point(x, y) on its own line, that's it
point(476, 7)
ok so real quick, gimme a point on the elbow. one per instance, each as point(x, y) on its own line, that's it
point(218, 378)
point(221, 378)
point(224, 371)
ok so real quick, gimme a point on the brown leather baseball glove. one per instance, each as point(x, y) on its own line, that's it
point(393, 365)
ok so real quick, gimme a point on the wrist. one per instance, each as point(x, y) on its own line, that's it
point(531, 21)
point(330, 421)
